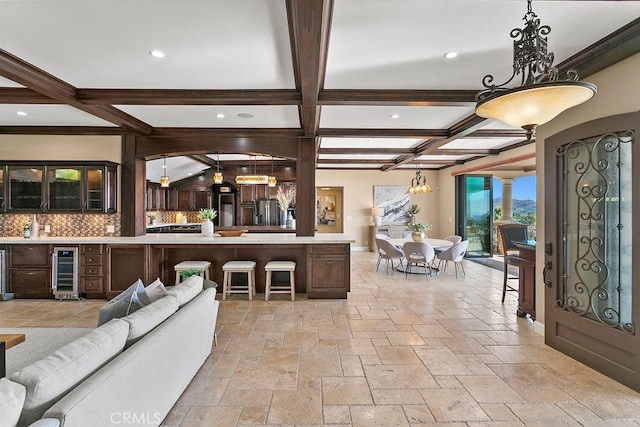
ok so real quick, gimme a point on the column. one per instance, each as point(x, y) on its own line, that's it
point(507, 200)
point(306, 187)
point(132, 190)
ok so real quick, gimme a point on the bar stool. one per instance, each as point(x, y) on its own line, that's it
point(201, 266)
point(239, 267)
point(272, 266)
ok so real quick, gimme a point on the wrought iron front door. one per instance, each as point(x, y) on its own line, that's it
point(591, 269)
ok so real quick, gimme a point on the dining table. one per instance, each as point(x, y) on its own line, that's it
point(438, 245)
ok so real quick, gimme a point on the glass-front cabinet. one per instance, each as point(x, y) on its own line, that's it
point(2, 189)
point(65, 188)
point(58, 187)
point(26, 188)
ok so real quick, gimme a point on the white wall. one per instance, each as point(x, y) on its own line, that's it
point(358, 198)
point(60, 147)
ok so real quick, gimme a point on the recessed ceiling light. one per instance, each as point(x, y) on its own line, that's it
point(395, 116)
point(21, 113)
point(245, 115)
point(450, 55)
point(220, 116)
point(157, 53)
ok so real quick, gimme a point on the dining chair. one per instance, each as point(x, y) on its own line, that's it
point(456, 254)
point(386, 250)
point(420, 254)
point(511, 233)
point(454, 238)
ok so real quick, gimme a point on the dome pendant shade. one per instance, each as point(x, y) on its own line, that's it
point(535, 104)
point(542, 95)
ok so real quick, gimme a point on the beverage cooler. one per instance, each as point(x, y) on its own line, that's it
point(4, 295)
point(65, 273)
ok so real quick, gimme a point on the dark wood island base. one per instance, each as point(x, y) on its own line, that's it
point(322, 264)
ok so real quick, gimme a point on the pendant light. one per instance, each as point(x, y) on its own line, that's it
point(271, 181)
point(164, 179)
point(418, 184)
point(252, 178)
point(217, 177)
point(540, 96)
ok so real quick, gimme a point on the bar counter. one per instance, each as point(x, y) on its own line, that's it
point(109, 265)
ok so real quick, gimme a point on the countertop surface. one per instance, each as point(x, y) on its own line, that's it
point(190, 239)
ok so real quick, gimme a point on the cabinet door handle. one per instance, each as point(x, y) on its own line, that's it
point(29, 273)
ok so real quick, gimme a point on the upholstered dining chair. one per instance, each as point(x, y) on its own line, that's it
point(511, 233)
point(420, 254)
point(456, 254)
point(386, 250)
point(453, 238)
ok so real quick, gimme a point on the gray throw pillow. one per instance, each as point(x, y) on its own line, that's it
point(152, 292)
point(125, 303)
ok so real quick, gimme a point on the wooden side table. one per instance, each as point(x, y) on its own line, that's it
point(527, 280)
point(6, 342)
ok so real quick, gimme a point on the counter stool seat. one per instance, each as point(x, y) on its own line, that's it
point(201, 266)
point(272, 266)
point(248, 267)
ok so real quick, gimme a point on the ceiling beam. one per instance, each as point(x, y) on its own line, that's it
point(607, 51)
point(422, 98)
point(309, 27)
point(364, 150)
point(19, 71)
point(386, 162)
point(204, 159)
point(465, 151)
point(60, 130)
point(189, 97)
point(23, 95)
point(382, 133)
point(176, 132)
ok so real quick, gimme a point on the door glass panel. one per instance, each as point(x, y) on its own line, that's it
point(64, 189)
point(25, 187)
point(597, 238)
point(475, 208)
point(94, 190)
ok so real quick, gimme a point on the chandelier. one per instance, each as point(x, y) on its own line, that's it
point(418, 184)
point(540, 96)
point(252, 178)
point(217, 177)
point(164, 179)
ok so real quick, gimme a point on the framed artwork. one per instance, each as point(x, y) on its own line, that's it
point(326, 210)
point(394, 200)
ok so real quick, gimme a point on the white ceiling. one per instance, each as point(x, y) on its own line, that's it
point(245, 45)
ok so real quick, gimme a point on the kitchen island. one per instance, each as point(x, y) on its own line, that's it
point(108, 265)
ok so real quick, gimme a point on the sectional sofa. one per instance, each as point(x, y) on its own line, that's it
point(130, 370)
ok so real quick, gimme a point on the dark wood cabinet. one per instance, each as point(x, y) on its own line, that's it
point(91, 270)
point(125, 264)
point(29, 271)
point(59, 187)
point(527, 280)
point(328, 271)
point(156, 197)
point(3, 174)
point(188, 199)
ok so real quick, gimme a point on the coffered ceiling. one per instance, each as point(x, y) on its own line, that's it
point(366, 78)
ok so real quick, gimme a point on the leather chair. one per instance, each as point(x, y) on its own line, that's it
point(420, 254)
point(511, 233)
point(456, 254)
point(386, 250)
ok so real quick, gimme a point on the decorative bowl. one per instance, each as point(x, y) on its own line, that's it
point(231, 233)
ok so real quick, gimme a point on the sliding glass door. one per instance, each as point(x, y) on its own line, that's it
point(474, 212)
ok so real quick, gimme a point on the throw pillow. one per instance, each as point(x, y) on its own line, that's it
point(125, 303)
point(152, 292)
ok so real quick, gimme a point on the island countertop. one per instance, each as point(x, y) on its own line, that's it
point(190, 239)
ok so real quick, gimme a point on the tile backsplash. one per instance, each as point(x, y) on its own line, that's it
point(169, 217)
point(62, 225)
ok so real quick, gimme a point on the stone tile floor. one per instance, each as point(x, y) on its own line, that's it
point(397, 352)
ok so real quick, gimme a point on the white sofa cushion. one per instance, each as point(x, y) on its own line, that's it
point(187, 290)
point(150, 316)
point(12, 397)
point(49, 379)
